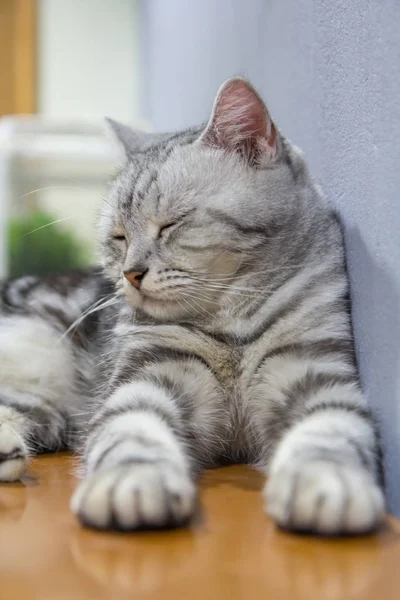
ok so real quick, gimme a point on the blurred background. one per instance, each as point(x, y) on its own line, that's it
point(63, 67)
point(328, 70)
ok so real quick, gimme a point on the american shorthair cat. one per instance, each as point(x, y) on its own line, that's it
point(219, 333)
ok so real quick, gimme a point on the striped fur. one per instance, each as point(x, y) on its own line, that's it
point(237, 348)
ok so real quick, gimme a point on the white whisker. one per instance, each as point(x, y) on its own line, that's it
point(48, 225)
point(52, 187)
point(92, 309)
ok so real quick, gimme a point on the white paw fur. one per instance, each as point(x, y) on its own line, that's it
point(324, 497)
point(135, 496)
point(13, 454)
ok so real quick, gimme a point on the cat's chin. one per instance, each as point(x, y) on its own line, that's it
point(160, 309)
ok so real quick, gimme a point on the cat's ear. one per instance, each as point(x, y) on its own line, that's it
point(240, 122)
point(132, 141)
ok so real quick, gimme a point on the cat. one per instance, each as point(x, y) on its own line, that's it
point(218, 332)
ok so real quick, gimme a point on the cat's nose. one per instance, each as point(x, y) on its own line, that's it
point(135, 277)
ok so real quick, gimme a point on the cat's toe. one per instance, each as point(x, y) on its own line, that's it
point(135, 496)
point(13, 454)
point(324, 497)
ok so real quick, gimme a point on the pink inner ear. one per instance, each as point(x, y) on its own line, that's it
point(241, 119)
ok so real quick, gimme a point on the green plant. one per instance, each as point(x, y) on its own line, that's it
point(36, 247)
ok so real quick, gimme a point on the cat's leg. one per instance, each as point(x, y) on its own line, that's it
point(146, 444)
point(38, 404)
point(318, 439)
point(323, 477)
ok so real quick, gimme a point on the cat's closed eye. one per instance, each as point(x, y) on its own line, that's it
point(165, 229)
point(119, 238)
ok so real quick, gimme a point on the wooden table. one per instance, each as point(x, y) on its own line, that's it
point(232, 552)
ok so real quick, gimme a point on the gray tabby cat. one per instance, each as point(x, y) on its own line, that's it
point(220, 333)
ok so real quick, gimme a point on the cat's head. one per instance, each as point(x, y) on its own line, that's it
point(195, 220)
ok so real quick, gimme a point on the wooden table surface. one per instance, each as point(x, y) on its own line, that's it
point(232, 552)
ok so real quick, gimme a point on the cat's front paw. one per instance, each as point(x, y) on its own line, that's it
point(135, 496)
point(13, 454)
point(324, 497)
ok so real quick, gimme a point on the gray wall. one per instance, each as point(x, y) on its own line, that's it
point(329, 70)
